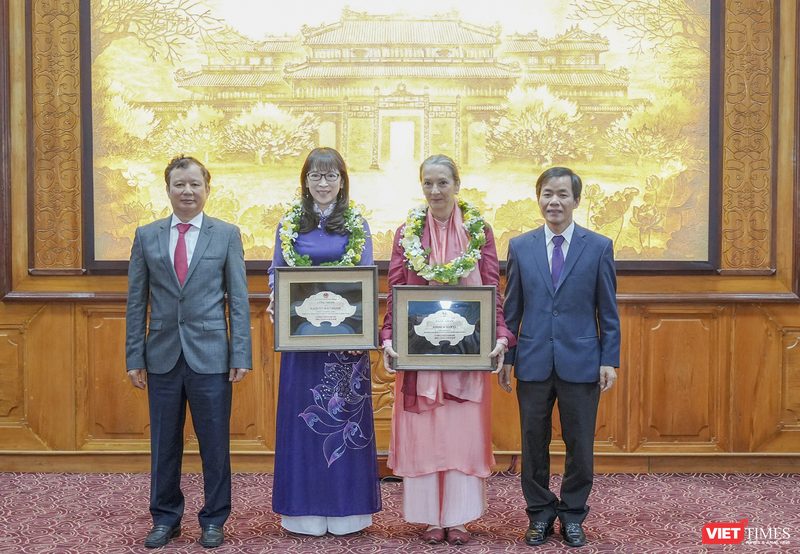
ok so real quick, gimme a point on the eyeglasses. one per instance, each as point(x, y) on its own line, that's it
point(317, 177)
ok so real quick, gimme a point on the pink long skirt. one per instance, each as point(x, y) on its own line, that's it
point(443, 455)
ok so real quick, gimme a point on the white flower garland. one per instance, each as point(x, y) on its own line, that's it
point(352, 222)
point(450, 272)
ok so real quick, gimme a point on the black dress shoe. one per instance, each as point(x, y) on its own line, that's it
point(212, 536)
point(160, 535)
point(538, 532)
point(573, 534)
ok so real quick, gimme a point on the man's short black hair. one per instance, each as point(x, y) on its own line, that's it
point(555, 173)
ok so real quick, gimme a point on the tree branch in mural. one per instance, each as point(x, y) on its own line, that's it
point(270, 133)
point(654, 25)
point(162, 26)
point(537, 126)
point(120, 127)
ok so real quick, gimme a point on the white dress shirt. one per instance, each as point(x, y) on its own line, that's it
point(548, 238)
point(191, 236)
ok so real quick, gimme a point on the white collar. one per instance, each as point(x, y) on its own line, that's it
point(196, 221)
point(567, 234)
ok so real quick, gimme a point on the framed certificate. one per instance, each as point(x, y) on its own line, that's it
point(444, 327)
point(326, 308)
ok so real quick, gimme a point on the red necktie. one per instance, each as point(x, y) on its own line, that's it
point(181, 259)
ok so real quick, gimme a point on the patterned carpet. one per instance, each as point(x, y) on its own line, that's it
point(656, 513)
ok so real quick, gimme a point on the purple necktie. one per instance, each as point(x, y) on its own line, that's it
point(181, 257)
point(558, 259)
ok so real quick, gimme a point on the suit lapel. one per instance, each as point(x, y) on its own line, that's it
point(163, 244)
point(200, 247)
point(575, 251)
point(540, 255)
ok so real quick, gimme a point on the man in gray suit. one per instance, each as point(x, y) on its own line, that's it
point(561, 304)
point(183, 266)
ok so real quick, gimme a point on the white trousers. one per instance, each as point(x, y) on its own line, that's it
point(319, 525)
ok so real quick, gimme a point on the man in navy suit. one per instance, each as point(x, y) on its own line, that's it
point(183, 266)
point(561, 305)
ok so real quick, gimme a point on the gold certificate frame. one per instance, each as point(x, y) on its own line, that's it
point(326, 308)
point(444, 327)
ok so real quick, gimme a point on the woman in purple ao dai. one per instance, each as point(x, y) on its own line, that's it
point(326, 469)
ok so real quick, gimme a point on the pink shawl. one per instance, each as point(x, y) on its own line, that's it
point(427, 390)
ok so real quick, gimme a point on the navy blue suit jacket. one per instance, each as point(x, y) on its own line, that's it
point(573, 328)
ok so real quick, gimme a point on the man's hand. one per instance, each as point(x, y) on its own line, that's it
point(499, 352)
point(388, 355)
point(607, 377)
point(237, 374)
point(138, 378)
point(504, 377)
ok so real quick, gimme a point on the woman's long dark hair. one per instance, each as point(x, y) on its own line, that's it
point(325, 160)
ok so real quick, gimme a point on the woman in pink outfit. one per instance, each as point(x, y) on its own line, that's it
point(440, 416)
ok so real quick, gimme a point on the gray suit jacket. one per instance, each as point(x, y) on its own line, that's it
point(189, 318)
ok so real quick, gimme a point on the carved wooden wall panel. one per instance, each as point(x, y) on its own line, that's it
point(680, 376)
point(791, 380)
point(382, 386)
point(18, 401)
point(747, 130)
point(56, 199)
point(113, 411)
point(766, 378)
point(252, 413)
point(756, 378)
point(11, 377)
point(693, 379)
point(382, 401)
point(629, 378)
point(610, 425)
point(505, 419)
point(50, 376)
point(114, 414)
point(605, 436)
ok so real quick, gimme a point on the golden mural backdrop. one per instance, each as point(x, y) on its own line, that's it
point(617, 90)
